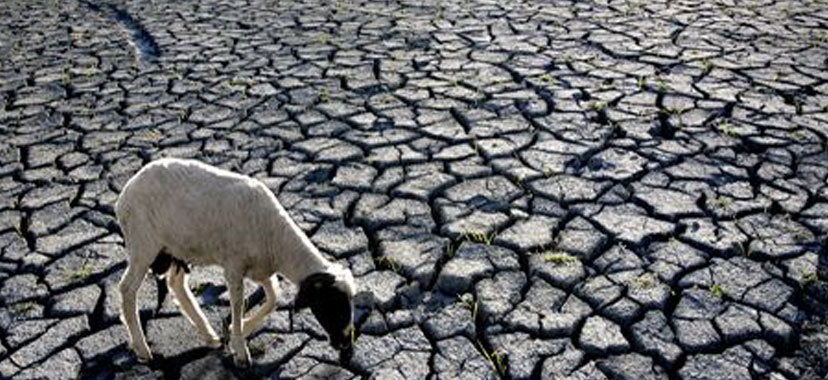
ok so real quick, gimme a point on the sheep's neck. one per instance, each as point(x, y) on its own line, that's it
point(294, 255)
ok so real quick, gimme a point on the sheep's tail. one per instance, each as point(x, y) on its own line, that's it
point(163, 263)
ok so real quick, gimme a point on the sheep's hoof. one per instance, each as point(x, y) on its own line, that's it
point(241, 362)
point(143, 358)
point(214, 342)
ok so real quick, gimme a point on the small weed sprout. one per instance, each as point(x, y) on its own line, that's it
point(18, 230)
point(743, 248)
point(257, 347)
point(389, 263)
point(662, 85)
point(496, 359)
point(323, 38)
point(153, 134)
point(469, 303)
point(717, 291)
point(23, 308)
point(80, 272)
point(451, 249)
point(237, 81)
point(479, 237)
point(558, 257)
point(645, 281)
point(673, 111)
point(324, 95)
point(810, 279)
point(67, 78)
point(821, 38)
point(798, 134)
point(342, 5)
point(641, 82)
point(519, 182)
point(707, 65)
point(597, 106)
point(199, 289)
point(720, 202)
point(728, 130)
point(476, 146)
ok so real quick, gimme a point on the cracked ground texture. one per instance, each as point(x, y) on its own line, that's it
point(523, 189)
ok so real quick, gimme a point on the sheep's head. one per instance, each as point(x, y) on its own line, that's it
point(330, 296)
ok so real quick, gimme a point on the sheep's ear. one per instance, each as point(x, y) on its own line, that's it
point(309, 289)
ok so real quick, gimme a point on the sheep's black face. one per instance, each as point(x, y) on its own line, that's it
point(332, 306)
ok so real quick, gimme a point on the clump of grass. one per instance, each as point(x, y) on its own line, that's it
point(386, 262)
point(476, 146)
point(496, 359)
point(185, 115)
point(707, 65)
point(798, 135)
point(322, 38)
point(200, 288)
point(821, 38)
point(597, 106)
point(23, 308)
point(644, 281)
point(728, 130)
point(324, 95)
point(152, 134)
point(673, 111)
point(743, 248)
point(80, 272)
point(558, 257)
point(469, 303)
point(641, 82)
point(479, 237)
point(519, 182)
point(174, 74)
point(238, 81)
point(257, 347)
point(717, 291)
point(661, 85)
point(342, 5)
point(451, 249)
point(810, 279)
point(720, 202)
point(19, 230)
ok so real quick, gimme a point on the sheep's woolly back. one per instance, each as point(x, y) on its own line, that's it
point(208, 216)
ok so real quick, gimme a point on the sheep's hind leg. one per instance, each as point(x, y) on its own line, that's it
point(128, 287)
point(177, 283)
point(253, 323)
point(238, 344)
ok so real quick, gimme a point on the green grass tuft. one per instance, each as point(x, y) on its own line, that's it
point(559, 257)
point(717, 291)
point(80, 272)
point(469, 303)
point(479, 237)
point(496, 359)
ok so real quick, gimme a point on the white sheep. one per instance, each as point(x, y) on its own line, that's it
point(176, 212)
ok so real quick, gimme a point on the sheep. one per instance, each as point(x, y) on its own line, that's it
point(176, 212)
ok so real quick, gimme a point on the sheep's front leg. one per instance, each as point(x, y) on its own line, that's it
point(253, 323)
point(177, 282)
point(238, 345)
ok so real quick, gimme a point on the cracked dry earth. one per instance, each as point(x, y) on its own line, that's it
point(523, 189)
